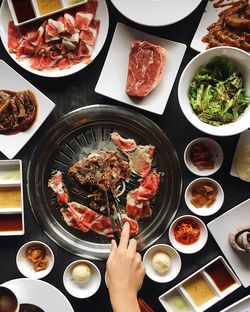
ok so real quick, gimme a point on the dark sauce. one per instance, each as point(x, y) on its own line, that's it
point(24, 10)
point(8, 300)
point(220, 275)
point(10, 222)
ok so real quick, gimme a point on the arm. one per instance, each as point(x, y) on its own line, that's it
point(125, 273)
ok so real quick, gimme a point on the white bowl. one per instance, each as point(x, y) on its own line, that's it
point(175, 263)
point(26, 267)
point(83, 290)
point(194, 247)
point(241, 59)
point(214, 148)
point(204, 211)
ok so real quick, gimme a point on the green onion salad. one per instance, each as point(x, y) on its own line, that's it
point(217, 93)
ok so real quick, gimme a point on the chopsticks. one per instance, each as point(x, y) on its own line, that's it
point(111, 215)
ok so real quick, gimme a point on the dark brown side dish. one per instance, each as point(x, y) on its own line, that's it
point(17, 111)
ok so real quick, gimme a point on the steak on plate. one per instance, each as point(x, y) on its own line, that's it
point(145, 68)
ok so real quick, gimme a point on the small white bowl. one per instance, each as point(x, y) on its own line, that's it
point(194, 247)
point(175, 263)
point(83, 290)
point(204, 211)
point(26, 267)
point(214, 148)
point(240, 59)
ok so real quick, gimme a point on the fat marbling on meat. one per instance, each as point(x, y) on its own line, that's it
point(145, 68)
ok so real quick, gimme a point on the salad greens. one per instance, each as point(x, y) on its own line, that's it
point(217, 93)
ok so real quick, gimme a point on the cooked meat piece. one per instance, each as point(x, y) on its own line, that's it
point(145, 68)
point(17, 111)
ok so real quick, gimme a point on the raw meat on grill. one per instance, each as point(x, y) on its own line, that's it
point(145, 68)
point(125, 145)
point(78, 215)
point(59, 188)
point(138, 205)
point(58, 42)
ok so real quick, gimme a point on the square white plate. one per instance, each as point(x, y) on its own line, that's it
point(244, 139)
point(113, 78)
point(10, 145)
point(220, 228)
point(210, 15)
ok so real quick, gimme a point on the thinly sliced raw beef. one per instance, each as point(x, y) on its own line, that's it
point(59, 188)
point(125, 145)
point(140, 160)
point(145, 68)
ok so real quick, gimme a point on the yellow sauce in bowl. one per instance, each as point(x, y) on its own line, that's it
point(48, 6)
point(10, 197)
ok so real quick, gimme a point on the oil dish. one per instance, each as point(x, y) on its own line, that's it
point(220, 227)
point(244, 140)
point(114, 85)
point(10, 145)
point(27, 268)
point(236, 57)
point(196, 238)
point(77, 284)
point(212, 203)
point(214, 157)
point(169, 270)
point(11, 198)
point(202, 289)
point(155, 13)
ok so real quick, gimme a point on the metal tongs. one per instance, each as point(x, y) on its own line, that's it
point(114, 215)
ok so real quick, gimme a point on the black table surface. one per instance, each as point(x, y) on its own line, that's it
point(75, 91)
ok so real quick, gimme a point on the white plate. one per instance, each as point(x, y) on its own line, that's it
point(244, 139)
point(10, 145)
point(101, 14)
point(242, 305)
point(210, 15)
point(39, 293)
point(113, 78)
point(221, 226)
point(155, 12)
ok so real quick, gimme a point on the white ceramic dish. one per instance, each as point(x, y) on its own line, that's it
point(64, 5)
point(240, 59)
point(194, 247)
point(113, 78)
point(175, 263)
point(40, 293)
point(101, 14)
point(220, 228)
point(210, 15)
point(87, 289)
point(244, 139)
point(242, 305)
point(155, 13)
point(10, 145)
point(25, 266)
point(214, 149)
point(180, 290)
point(10, 172)
point(204, 211)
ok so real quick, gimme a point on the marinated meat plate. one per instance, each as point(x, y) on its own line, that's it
point(108, 171)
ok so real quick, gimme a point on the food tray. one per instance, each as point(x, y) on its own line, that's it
point(80, 133)
point(180, 289)
point(11, 214)
point(64, 4)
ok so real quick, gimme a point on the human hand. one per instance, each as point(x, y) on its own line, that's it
point(125, 273)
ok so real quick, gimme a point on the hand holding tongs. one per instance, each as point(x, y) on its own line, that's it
point(111, 215)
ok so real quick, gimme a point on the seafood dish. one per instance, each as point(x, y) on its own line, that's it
point(58, 42)
point(108, 171)
point(17, 111)
point(232, 28)
point(145, 68)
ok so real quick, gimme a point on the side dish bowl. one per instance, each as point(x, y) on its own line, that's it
point(205, 210)
point(198, 243)
point(240, 59)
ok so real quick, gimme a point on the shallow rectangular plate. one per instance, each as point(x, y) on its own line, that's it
point(113, 78)
point(244, 139)
point(242, 305)
point(10, 145)
point(220, 228)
